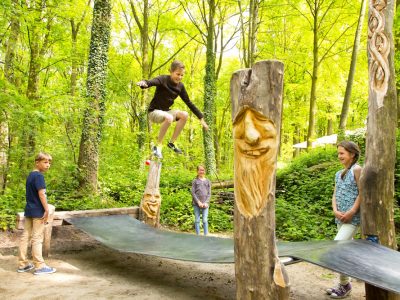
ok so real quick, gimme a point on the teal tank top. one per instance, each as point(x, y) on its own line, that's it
point(346, 194)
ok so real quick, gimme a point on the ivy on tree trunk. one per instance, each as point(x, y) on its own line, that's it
point(96, 93)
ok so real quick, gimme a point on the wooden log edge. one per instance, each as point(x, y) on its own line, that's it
point(59, 216)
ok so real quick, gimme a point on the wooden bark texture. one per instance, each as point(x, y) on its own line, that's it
point(259, 273)
point(377, 178)
point(150, 204)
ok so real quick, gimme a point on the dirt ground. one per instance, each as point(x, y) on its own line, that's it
point(88, 270)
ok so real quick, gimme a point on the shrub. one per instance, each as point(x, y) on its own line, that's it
point(303, 197)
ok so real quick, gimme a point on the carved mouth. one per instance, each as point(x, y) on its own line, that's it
point(254, 153)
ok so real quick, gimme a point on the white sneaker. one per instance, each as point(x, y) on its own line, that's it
point(157, 152)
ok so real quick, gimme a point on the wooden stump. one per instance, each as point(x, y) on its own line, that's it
point(151, 201)
point(256, 96)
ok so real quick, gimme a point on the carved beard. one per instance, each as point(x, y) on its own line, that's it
point(151, 204)
point(252, 183)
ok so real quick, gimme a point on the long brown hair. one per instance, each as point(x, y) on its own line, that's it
point(353, 148)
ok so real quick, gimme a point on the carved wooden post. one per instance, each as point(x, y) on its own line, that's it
point(256, 96)
point(151, 201)
point(377, 178)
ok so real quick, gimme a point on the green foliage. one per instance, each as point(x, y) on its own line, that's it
point(176, 205)
point(10, 205)
point(303, 197)
point(176, 209)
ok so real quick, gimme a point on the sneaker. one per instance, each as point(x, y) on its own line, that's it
point(44, 270)
point(173, 147)
point(157, 152)
point(342, 292)
point(25, 269)
point(332, 289)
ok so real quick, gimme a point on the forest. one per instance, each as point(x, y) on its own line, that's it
point(68, 74)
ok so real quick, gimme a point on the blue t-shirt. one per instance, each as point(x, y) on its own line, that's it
point(34, 183)
point(346, 194)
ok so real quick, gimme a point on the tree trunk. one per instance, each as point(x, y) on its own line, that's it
point(350, 79)
point(151, 202)
point(145, 69)
point(4, 151)
point(74, 57)
point(145, 74)
point(377, 178)
point(210, 92)
point(256, 97)
point(254, 23)
point(9, 60)
point(329, 127)
point(314, 79)
point(9, 73)
point(38, 46)
point(249, 44)
point(397, 50)
point(96, 93)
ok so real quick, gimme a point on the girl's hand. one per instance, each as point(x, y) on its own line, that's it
point(204, 124)
point(142, 83)
point(347, 216)
point(338, 214)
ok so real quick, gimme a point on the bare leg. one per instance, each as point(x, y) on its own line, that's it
point(182, 116)
point(164, 127)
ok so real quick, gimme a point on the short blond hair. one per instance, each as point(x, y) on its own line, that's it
point(42, 156)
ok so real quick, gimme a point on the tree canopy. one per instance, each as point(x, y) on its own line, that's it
point(44, 60)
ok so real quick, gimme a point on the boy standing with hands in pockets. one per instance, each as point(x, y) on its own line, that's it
point(168, 88)
point(36, 214)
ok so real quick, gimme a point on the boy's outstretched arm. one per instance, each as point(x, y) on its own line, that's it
point(142, 84)
point(204, 124)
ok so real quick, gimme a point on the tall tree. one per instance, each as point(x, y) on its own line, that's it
point(377, 178)
point(9, 73)
point(9, 67)
point(322, 25)
point(210, 90)
point(206, 28)
point(145, 67)
point(96, 93)
point(248, 30)
point(39, 27)
point(76, 24)
point(350, 79)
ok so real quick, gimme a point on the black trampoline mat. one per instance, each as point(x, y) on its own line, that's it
point(372, 263)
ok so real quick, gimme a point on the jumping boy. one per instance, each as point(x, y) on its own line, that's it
point(168, 88)
point(36, 214)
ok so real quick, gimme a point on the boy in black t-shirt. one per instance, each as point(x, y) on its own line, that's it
point(168, 88)
point(36, 214)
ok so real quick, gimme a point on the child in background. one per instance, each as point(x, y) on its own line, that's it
point(346, 203)
point(201, 193)
point(168, 88)
point(36, 214)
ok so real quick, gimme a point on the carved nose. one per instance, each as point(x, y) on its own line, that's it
point(251, 134)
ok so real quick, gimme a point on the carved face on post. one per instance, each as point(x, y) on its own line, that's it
point(256, 145)
point(151, 203)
